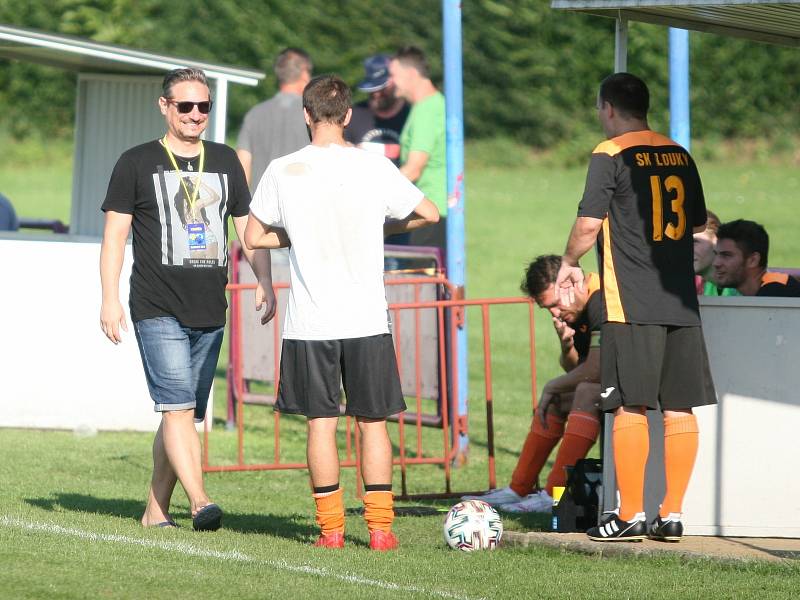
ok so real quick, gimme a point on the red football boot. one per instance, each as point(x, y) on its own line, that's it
point(382, 540)
point(331, 540)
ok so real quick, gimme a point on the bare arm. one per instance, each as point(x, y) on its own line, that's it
point(112, 254)
point(261, 264)
point(258, 235)
point(247, 162)
point(569, 355)
point(425, 213)
point(415, 165)
point(581, 239)
point(587, 371)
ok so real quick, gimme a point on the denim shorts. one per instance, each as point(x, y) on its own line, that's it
point(179, 363)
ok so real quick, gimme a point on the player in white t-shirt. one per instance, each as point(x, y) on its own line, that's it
point(332, 204)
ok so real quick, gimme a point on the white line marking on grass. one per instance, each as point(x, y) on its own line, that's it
point(229, 555)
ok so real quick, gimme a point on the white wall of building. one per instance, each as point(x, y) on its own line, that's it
point(59, 369)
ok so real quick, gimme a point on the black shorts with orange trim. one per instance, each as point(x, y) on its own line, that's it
point(657, 366)
point(312, 372)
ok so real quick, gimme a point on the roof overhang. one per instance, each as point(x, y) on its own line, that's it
point(759, 20)
point(77, 54)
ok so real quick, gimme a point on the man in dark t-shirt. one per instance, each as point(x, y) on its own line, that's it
point(642, 202)
point(377, 122)
point(176, 194)
point(741, 262)
point(572, 397)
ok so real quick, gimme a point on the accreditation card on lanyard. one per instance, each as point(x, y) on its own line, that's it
point(196, 232)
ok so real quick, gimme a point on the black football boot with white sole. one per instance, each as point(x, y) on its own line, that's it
point(614, 529)
point(669, 529)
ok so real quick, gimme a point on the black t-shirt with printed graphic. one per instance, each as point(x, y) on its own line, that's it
point(646, 189)
point(180, 258)
point(375, 133)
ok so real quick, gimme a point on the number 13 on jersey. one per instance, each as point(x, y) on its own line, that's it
point(672, 184)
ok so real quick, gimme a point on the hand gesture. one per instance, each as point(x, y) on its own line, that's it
point(565, 333)
point(112, 317)
point(569, 277)
point(265, 296)
point(546, 399)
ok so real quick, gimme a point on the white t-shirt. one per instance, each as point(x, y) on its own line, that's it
point(333, 201)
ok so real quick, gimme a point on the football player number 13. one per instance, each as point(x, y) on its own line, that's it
point(673, 184)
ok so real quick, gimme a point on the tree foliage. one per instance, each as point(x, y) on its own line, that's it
point(530, 73)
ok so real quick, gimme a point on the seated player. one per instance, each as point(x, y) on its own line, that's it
point(705, 243)
point(741, 262)
point(571, 398)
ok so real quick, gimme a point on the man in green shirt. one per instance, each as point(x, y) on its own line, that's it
point(422, 141)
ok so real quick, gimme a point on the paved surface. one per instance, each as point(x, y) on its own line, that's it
point(739, 549)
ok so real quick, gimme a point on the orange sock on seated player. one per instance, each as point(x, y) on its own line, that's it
point(580, 435)
point(631, 446)
point(537, 447)
point(330, 509)
point(680, 450)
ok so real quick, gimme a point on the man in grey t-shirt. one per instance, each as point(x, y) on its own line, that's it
point(276, 127)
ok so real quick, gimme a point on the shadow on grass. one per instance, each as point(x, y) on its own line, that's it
point(292, 527)
point(527, 521)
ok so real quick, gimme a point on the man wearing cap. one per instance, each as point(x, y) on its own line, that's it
point(276, 127)
point(378, 121)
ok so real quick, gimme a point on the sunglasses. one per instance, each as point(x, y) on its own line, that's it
point(185, 107)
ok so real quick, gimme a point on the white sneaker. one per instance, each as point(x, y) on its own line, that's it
point(497, 497)
point(538, 502)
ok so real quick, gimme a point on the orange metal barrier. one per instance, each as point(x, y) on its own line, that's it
point(451, 424)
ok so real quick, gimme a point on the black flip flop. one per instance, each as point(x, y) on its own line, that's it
point(208, 518)
point(168, 523)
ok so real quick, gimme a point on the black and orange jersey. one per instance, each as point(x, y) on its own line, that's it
point(779, 285)
point(590, 322)
point(647, 190)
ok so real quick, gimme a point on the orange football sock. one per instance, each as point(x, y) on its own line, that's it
point(680, 450)
point(579, 437)
point(330, 511)
point(631, 447)
point(379, 510)
point(538, 446)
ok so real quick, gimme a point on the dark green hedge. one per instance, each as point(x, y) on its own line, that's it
point(530, 73)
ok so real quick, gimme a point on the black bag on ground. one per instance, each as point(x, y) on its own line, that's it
point(578, 508)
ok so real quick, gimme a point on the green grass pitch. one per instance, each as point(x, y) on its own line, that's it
point(69, 505)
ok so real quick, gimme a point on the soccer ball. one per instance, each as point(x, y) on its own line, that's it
point(473, 525)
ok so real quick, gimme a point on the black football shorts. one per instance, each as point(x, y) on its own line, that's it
point(313, 370)
point(657, 366)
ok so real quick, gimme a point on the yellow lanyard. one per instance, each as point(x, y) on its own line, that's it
point(190, 198)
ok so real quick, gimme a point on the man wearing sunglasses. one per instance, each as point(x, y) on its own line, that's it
point(176, 194)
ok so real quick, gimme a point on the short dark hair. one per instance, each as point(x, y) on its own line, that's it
point(540, 274)
point(748, 236)
point(180, 75)
point(327, 99)
point(290, 64)
point(411, 56)
point(627, 94)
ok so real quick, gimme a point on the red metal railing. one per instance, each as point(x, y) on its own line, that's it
point(452, 425)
